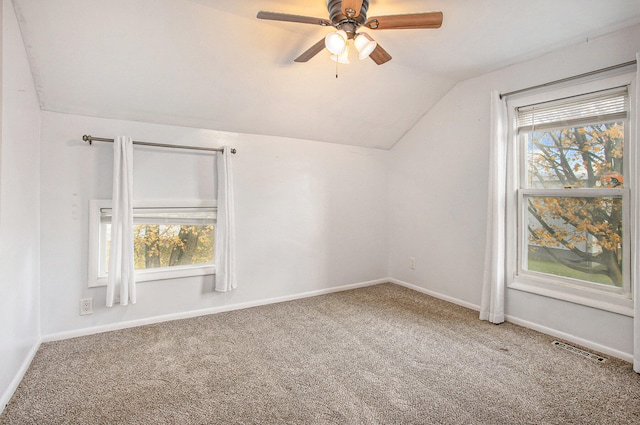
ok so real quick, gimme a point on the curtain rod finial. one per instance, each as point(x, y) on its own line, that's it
point(87, 138)
point(233, 151)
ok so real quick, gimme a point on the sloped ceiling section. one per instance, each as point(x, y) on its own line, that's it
point(212, 64)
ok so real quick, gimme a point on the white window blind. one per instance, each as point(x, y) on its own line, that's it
point(598, 107)
point(193, 216)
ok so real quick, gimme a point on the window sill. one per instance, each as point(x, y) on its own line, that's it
point(163, 274)
point(612, 302)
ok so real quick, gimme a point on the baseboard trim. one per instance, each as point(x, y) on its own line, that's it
point(524, 323)
point(628, 357)
point(203, 312)
point(15, 382)
point(195, 313)
point(436, 294)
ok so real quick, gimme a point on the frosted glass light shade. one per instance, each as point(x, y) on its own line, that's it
point(364, 45)
point(342, 57)
point(336, 42)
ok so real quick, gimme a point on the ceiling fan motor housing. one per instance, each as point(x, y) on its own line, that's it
point(347, 23)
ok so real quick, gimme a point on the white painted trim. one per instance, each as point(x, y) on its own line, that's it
point(203, 312)
point(436, 294)
point(13, 386)
point(571, 338)
point(555, 288)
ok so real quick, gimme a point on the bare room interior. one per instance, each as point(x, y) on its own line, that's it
point(378, 211)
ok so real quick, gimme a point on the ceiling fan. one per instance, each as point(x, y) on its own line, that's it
point(347, 16)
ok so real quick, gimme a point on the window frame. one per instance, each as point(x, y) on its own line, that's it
point(614, 299)
point(96, 249)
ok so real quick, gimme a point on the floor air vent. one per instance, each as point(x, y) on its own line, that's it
point(579, 351)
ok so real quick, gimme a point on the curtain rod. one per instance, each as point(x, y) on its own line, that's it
point(90, 139)
point(575, 77)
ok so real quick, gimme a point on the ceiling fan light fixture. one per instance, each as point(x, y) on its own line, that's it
point(364, 45)
point(336, 42)
point(342, 57)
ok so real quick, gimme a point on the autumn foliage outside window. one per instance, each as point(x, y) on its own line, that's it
point(160, 245)
point(167, 237)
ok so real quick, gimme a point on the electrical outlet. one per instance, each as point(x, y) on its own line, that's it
point(86, 306)
point(412, 263)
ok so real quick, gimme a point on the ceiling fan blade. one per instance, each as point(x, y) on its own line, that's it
point(379, 55)
point(276, 16)
point(405, 21)
point(311, 52)
point(354, 5)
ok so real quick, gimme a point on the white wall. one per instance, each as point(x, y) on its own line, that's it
point(310, 216)
point(19, 210)
point(438, 188)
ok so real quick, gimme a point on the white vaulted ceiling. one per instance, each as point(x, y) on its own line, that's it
point(212, 64)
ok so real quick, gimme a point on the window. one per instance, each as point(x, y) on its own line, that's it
point(570, 207)
point(170, 240)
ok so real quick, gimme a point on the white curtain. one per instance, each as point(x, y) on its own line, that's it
point(225, 237)
point(492, 302)
point(121, 266)
point(636, 292)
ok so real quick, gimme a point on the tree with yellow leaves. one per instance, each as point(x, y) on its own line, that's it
point(580, 232)
point(158, 245)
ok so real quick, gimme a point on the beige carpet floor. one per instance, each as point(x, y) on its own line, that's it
point(377, 355)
